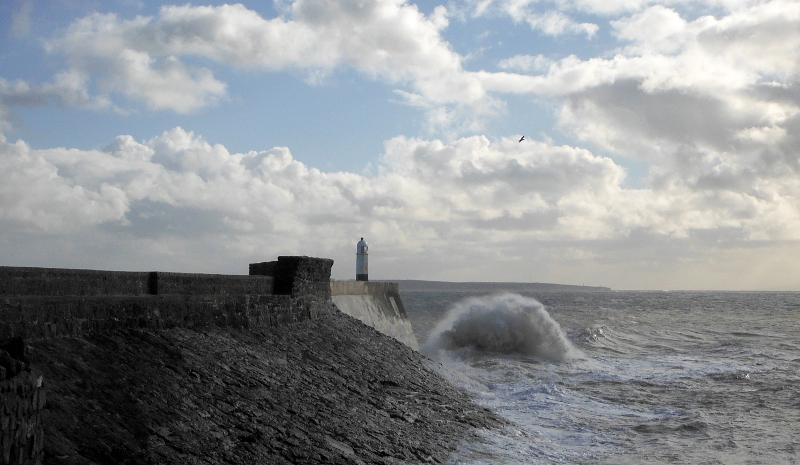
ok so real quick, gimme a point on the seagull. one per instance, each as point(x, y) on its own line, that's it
point(522, 139)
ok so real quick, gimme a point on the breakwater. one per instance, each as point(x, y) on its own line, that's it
point(185, 368)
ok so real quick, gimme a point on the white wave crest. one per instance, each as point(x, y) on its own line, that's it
point(502, 323)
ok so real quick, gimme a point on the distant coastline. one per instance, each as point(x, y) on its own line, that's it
point(413, 285)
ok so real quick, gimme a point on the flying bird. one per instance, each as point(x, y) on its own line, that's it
point(522, 139)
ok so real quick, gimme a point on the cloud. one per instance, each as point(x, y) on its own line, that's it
point(728, 76)
point(146, 58)
point(121, 57)
point(432, 210)
point(711, 104)
point(179, 186)
point(556, 23)
point(519, 8)
point(167, 61)
point(553, 22)
point(420, 180)
point(67, 88)
point(526, 63)
point(35, 197)
point(429, 197)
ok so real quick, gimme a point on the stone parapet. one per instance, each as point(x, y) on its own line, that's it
point(16, 280)
point(23, 281)
point(207, 284)
point(43, 302)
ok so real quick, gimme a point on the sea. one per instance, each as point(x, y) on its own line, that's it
point(621, 377)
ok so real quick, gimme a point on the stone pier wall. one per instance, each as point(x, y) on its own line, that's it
point(50, 302)
point(42, 303)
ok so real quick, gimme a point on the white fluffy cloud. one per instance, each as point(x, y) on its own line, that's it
point(434, 201)
point(712, 105)
point(180, 195)
point(145, 58)
point(447, 186)
point(67, 88)
point(35, 197)
point(556, 23)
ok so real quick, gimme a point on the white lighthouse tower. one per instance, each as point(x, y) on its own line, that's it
point(362, 266)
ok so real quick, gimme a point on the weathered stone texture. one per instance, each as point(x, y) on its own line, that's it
point(43, 317)
point(324, 391)
point(44, 303)
point(22, 281)
point(169, 368)
point(35, 302)
point(64, 282)
point(263, 268)
point(208, 284)
point(303, 276)
point(21, 437)
point(305, 279)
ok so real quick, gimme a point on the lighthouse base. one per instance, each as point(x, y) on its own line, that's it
point(361, 277)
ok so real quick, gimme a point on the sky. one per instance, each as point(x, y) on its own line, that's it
point(661, 138)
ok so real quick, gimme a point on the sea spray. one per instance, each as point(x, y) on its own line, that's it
point(501, 324)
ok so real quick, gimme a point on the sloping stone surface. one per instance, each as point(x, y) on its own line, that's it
point(330, 390)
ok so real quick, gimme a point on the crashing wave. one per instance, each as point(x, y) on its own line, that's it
point(502, 323)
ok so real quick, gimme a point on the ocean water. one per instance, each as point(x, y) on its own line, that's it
point(622, 377)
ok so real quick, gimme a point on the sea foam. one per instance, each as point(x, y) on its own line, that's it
point(501, 324)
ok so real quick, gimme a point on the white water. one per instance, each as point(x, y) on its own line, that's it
point(623, 378)
point(501, 324)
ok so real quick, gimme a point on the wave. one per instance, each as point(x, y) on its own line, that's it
point(502, 323)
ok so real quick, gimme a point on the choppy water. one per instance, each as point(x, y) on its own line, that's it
point(623, 377)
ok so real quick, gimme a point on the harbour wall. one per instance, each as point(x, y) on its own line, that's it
point(44, 303)
point(50, 302)
point(376, 304)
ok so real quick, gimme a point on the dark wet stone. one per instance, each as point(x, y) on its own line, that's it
point(330, 390)
point(11, 366)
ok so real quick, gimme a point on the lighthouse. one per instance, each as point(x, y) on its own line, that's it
point(362, 266)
